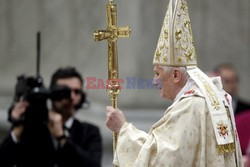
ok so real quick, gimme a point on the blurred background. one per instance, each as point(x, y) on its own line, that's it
point(221, 32)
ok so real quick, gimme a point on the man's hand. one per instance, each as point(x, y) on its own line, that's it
point(115, 119)
point(18, 110)
point(16, 115)
point(55, 124)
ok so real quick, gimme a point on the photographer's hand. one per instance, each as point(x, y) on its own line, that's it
point(16, 114)
point(55, 124)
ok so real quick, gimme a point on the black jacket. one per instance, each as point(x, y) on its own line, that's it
point(36, 149)
point(241, 106)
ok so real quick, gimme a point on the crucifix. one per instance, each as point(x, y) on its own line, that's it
point(111, 34)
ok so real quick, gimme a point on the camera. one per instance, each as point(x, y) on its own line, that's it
point(32, 90)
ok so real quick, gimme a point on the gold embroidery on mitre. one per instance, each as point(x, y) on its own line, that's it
point(176, 35)
point(190, 55)
point(183, 25)
point(184, 7)
point(157, 56)
point(179, 59)
point(162, 46)
point(160, 55)
point(165, 58)
point(166, 35)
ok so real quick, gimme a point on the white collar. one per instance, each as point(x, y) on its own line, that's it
point(190, 82)
point(68, 124)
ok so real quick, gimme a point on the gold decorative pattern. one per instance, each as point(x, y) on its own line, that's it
point(111, 34)
point(184, 7)
point(166, 35)
point(222, 129)
point(165, 58)
point(227, 148)
point(189, 56)
point(209, 91)
point(186, 40)
point(157, 56)
point(176, 35)
point(110, 57)
point(179, 59)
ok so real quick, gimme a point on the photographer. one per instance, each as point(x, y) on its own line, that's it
point(62, 140)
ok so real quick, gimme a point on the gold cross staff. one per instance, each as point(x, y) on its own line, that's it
point(112, 33)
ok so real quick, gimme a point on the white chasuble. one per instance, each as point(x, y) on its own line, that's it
point(184, 136)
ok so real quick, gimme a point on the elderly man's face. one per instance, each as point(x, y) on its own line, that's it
point(163, 80)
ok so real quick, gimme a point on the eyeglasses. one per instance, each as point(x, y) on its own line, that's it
point(76, 91)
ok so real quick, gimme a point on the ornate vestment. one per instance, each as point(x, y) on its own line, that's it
point(184, 136)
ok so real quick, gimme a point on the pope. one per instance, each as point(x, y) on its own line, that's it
point(198, 129)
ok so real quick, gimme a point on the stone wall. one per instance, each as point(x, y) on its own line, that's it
point(221, 33)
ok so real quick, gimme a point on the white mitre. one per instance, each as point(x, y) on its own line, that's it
point(175, 45)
